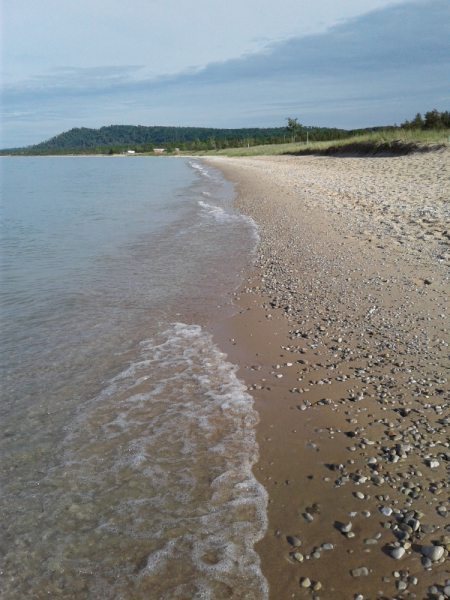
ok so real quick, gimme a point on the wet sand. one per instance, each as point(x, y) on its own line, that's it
point(342, 339)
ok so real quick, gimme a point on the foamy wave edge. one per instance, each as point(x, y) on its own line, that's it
point(191, 352)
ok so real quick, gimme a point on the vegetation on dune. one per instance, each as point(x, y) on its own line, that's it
point(431, 131)
point(397, 140)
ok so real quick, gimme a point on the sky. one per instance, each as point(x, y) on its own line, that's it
point(219, 63)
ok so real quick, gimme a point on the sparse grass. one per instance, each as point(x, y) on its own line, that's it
point(416, 136)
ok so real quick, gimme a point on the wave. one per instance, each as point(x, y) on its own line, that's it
point(159, 468)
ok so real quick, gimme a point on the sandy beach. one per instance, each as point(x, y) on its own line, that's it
point(343, 341)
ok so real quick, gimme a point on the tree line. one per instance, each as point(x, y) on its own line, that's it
point(433, 119)
point(120, 135)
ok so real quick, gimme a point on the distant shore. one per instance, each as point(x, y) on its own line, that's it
point(389, 141)
point(342, 339)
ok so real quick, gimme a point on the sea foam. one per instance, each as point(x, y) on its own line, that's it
point(162, 460)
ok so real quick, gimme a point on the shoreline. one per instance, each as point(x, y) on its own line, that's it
point(348, 303)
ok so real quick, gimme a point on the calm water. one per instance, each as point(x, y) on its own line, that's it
point(127, 440)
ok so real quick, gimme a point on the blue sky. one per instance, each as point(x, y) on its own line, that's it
point(219, 63)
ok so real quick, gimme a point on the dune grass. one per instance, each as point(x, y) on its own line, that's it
point(406, 136)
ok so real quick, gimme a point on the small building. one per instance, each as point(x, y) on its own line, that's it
point(158, 150)
point(131, 152)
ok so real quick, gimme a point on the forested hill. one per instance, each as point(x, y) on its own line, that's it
point(83, 137)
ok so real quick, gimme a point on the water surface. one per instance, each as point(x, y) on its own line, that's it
point(127, 438)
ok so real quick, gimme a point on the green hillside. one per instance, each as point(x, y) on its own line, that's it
point(131, 134)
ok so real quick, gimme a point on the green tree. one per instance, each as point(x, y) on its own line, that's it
point(445, 118)
point(293, 127)
point(433, 120)
point(416, 123)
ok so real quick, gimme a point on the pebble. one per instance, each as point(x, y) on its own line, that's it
point(360, 572)
point(298, 557)
point(386, 511)
point(360, 495)
point(305, 582)
point(401, 585)
point(377, 480)
point(346, 527)
point(434, 553)
point(327, 546)
point(433, 464)
point(398, 553)
point(294, 541)
point(447, 590)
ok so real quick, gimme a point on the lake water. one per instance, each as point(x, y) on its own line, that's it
point(127, 439)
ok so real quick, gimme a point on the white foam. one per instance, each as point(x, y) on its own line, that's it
point(220, 214)
point(199, 168)
point(164, 454)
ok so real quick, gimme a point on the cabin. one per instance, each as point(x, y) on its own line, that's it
point(131, 152)
point(158, 150)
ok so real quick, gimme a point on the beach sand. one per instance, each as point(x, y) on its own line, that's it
point(342, 339)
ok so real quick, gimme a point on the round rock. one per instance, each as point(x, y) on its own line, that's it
point(398, 553)
point(434, 553)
